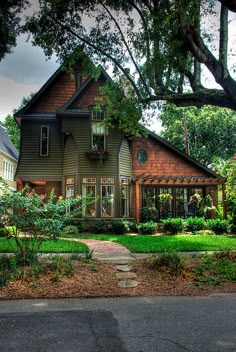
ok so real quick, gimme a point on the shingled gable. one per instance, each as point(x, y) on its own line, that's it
point(69, 107)
point(183, 155)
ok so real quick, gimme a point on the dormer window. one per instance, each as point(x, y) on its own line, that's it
point(98, 131)
point(44, 140)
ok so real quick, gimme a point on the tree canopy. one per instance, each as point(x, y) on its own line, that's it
point(161, 47)
point(211, 131)
point(10, 24)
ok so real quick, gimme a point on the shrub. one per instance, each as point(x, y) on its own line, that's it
point(147, 228)
point(3, 232)
point(77, 223)
point(173, 226)
point(28, 212)
point(217, 225)
point(130, 226)
point(119, 227)
point(194, 224)
point(172, 261)
point(150, 214)
point(70, 230)
point(205, 233)
point(100, 226)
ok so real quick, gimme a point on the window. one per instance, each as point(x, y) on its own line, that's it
point(89, 204)
point(107, 201)
point(8, 172)
point(70, 187)
point(142, 156)
point(124, 198)
point(44, 140)
point(98, 131)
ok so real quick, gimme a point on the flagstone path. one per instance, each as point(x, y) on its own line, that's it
point(116, 254)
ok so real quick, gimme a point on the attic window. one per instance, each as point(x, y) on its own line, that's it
point(44, 140)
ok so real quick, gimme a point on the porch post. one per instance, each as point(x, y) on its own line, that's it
point(19, 184)
point(223, 201)
point(137, 203)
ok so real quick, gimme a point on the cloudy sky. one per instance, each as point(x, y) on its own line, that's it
point(22, 72)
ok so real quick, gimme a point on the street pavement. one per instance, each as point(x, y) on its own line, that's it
point(143, 324)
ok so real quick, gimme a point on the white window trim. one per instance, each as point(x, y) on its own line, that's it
point(8, 170)
point(41, 138)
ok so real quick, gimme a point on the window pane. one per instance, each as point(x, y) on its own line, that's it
point(107, 200)
point(89, 209)
point(181, 196)
point(98, 142)
point(124, 200)
point(165, 202)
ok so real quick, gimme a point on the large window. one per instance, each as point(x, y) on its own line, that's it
point(98, 131)
point(171, 201)
point(44, 140)
point(8, 170)
point(89, 204)
point(107, 200)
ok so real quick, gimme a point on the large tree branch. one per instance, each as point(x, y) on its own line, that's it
point(101, 51)
point(231, 4)
point(200, 51)
point(202, 97)
point(223, 49)
point(127, 47)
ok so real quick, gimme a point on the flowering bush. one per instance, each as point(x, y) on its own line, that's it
point(30, 218)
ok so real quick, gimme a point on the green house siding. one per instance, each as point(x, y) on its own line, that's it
point(33, 166)
point(125, 159)
point(70, 162)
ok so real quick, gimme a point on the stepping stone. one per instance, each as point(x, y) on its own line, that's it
point(128, 283)
point(127, 275)
point(123, 267)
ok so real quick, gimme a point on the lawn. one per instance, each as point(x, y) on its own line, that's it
point(152, 244)
point(50, 246)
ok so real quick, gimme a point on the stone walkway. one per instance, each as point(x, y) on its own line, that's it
point(116, 254)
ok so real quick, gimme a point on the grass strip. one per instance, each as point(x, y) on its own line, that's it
point(49, 246)
point(185, 243)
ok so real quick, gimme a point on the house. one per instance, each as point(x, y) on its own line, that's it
point(8, 159)
point(64, 146)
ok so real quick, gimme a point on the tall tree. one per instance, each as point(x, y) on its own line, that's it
point(10, 124)
point(12, 130)
point(211, 131)
point(10, 24)
point(159, 46)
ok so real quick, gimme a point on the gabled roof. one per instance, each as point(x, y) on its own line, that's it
point(6, 145)
point(181, 154)
point(80, 92)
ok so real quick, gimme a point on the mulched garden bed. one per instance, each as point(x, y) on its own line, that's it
point(99, 279)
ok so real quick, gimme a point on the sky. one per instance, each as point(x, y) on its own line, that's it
point(26, 69)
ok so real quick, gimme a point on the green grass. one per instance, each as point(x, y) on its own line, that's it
point(50, 246)
point(152, 244)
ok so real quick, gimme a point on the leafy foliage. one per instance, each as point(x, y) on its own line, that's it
point(211, 131)
point(12, 130)
point(147, 228)
point(28, 213)
point(172, 261)
point(194, 224)
point(10, 26)
point(173, 226)
point(157, 46)
point(218, 226)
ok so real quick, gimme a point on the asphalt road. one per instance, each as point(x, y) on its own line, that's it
point(147, 324)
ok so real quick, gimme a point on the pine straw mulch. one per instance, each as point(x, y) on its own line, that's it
point(98, 279)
